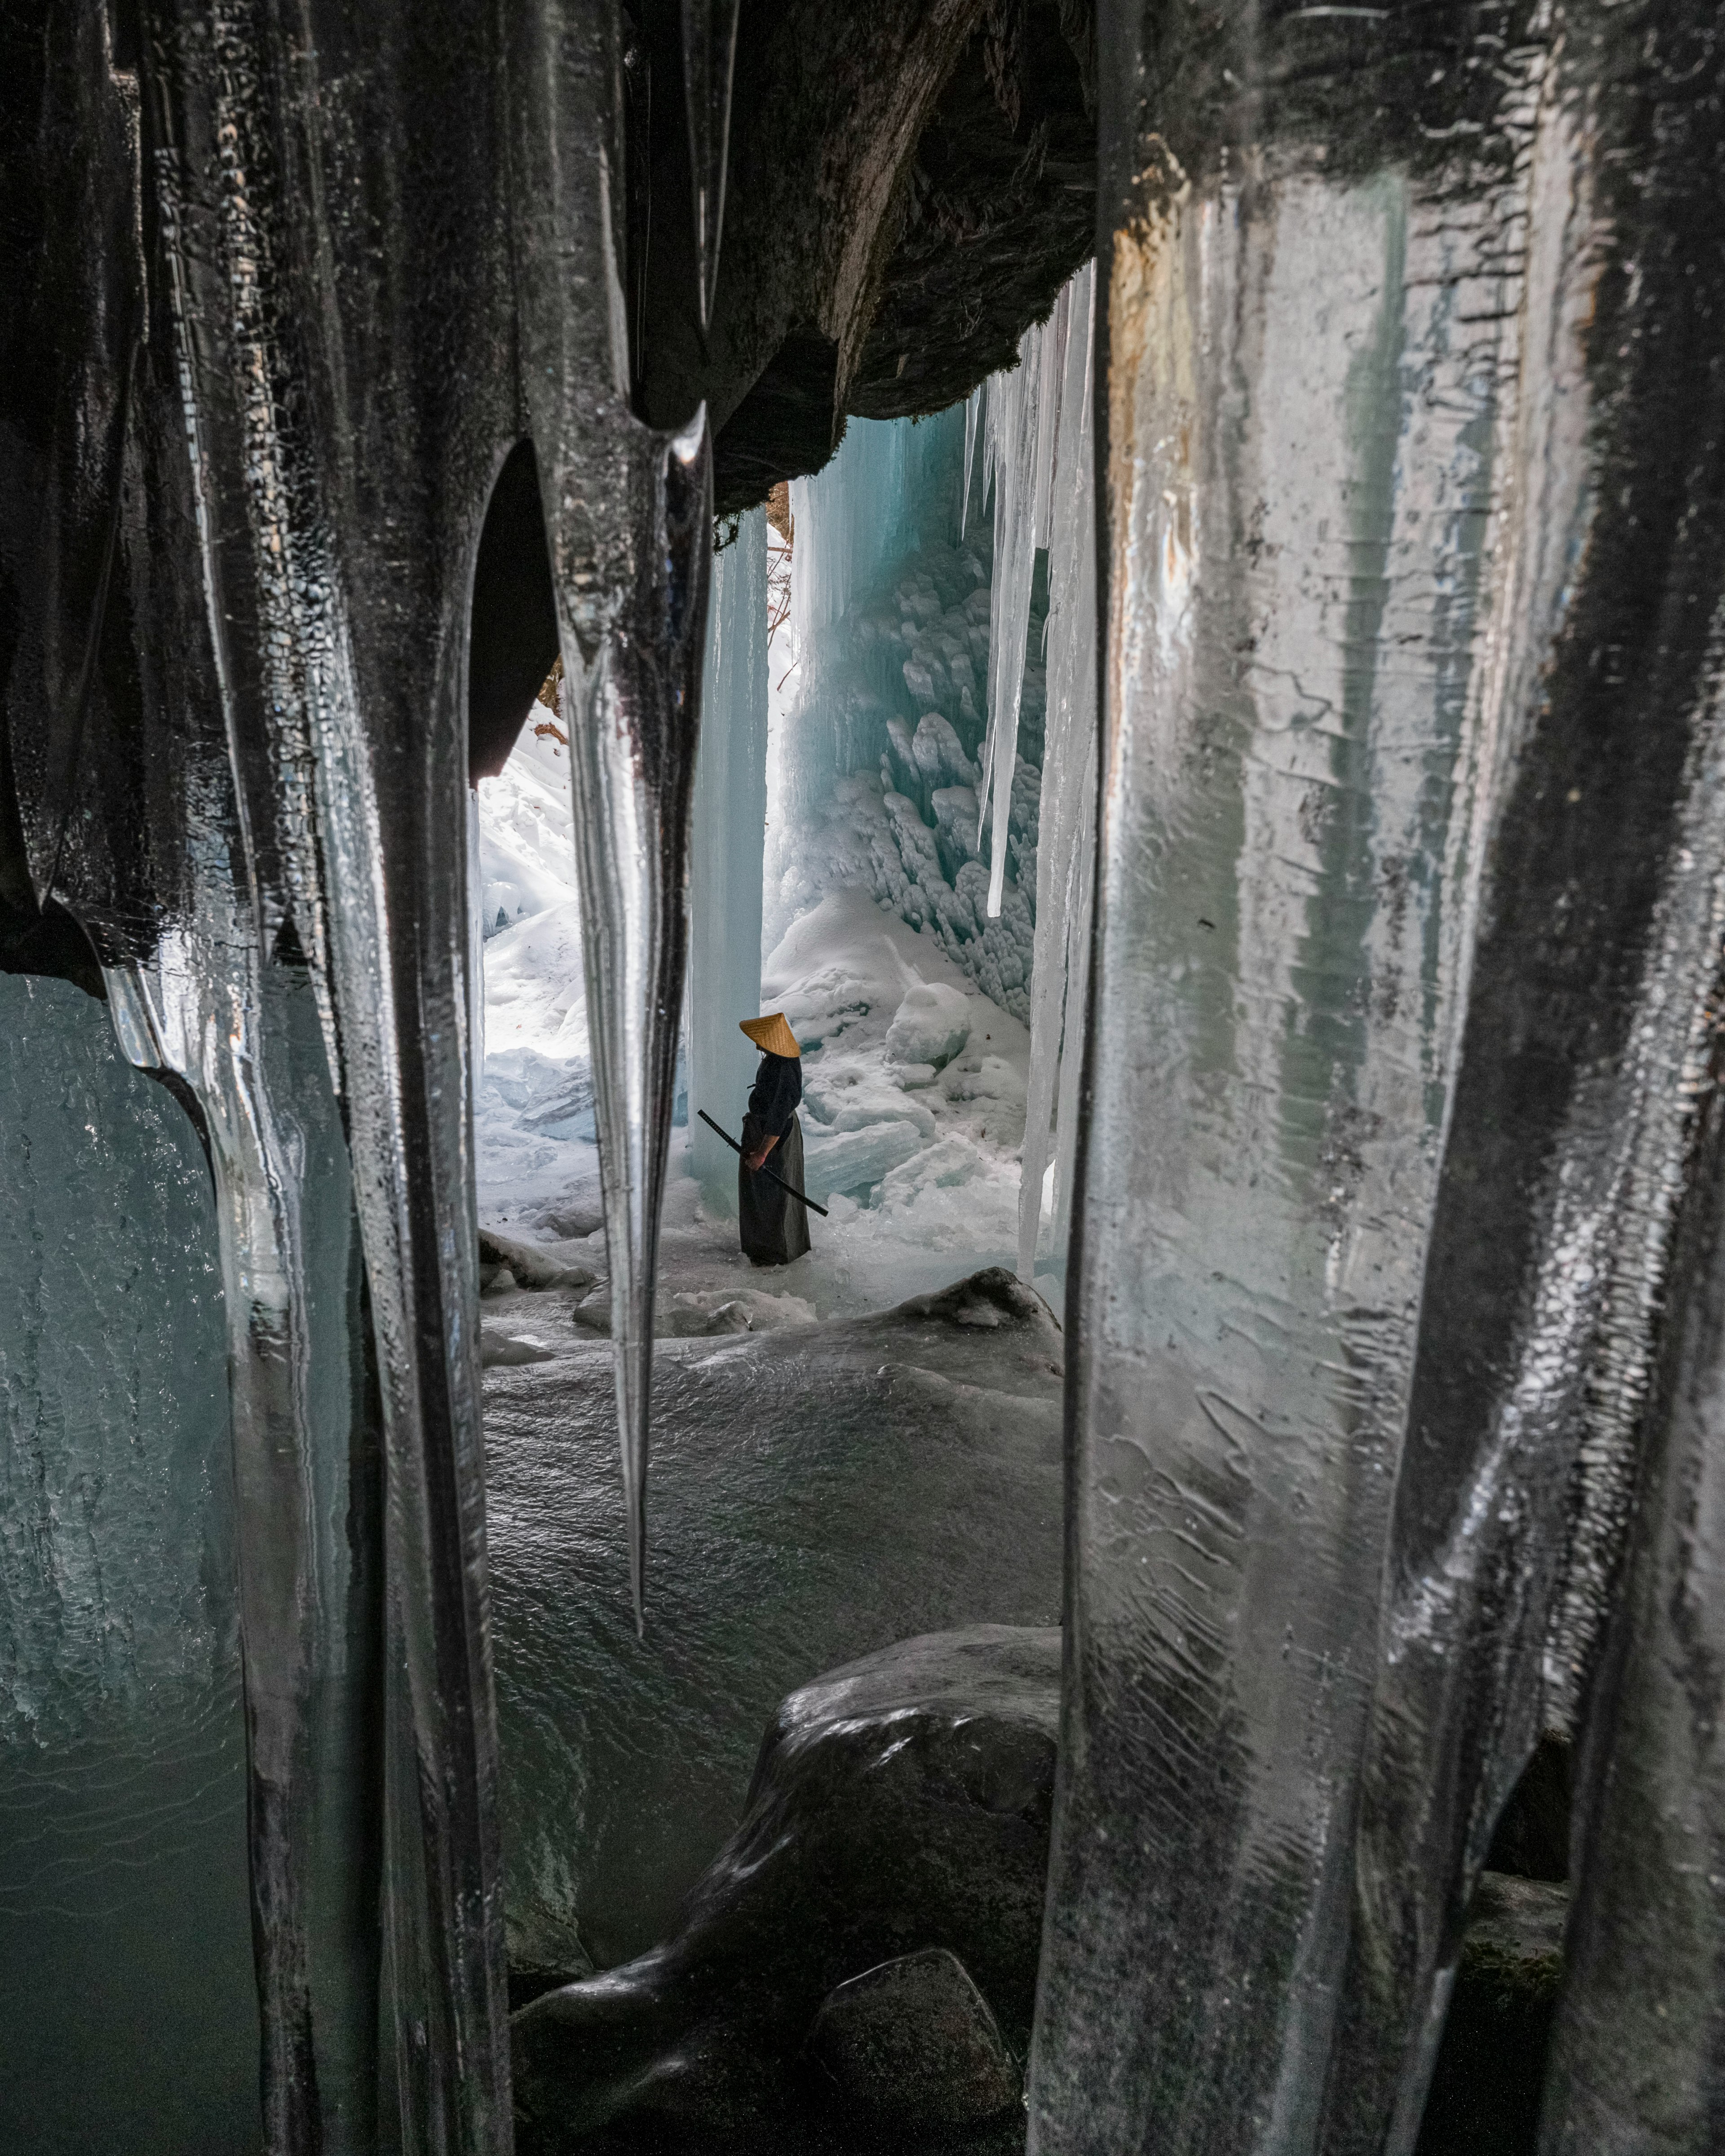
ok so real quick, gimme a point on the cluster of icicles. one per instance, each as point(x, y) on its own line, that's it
point(1036, 424)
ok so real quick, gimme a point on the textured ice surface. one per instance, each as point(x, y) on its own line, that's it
point(1408, 949)
point(1066, 822)
point(128, 2017)
point(823, 1491)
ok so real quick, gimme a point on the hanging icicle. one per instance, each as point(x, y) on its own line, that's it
point(1020, 417)
point(709, 60)
point(1065, 854)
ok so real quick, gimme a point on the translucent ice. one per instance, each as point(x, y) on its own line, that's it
point(1065, 852)
point(709, 57)
point(1406, 945)
point(726, 856)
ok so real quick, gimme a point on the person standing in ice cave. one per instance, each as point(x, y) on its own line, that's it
point(774, 1228)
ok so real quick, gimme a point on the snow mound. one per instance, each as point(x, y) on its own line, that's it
point(931, 1025)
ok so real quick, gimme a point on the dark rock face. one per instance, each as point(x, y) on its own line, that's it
point(911, 183)
point(856, 1970)
point(901, 1805)
point(1000, 210)
point(1491, 2070)
point(914, 2040)
point(1532, 1837)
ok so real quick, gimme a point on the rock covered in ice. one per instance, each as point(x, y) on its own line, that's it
point(534, 1266)
point(900, 1812)
point(931, 1025)
point(914, 2040)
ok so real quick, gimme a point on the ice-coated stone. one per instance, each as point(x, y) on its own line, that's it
point(914, 2038)
point(931, 1025)
point(502, 1350)
point(533, 1265)
point(899, 1804)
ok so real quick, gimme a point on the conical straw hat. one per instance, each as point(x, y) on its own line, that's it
point(771, 1034)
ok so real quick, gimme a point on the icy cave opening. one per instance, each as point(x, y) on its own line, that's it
point(852, 798)
point(864, 1446)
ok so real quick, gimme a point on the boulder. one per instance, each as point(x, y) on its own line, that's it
point(863, 1951)
point(914, 2040)
point(502, 1350)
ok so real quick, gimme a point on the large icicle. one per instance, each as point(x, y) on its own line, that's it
point(1019, 414)
point(1407, 952)
point(1066, 851)
point(726, 856)
point(709, 59)
point(628, 514)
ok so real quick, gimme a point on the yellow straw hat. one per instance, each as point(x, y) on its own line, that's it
point(771, 1034)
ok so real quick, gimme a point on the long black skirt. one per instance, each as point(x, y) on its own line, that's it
point(774, 1227)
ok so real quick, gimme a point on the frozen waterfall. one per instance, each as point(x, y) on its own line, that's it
point(726, 857)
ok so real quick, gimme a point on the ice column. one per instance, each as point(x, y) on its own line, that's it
point(1399, 1139)
point(725, 856)
point(1287, 850)
point(1066, 856)
point(1019, 416)
point(245, 1037)
point(709, 58)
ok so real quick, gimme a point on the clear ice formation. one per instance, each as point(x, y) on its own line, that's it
point(1066, 825)
point(123, 1890)
point(254, 774)
point(1393, 1322)
point(709, 58)
point(1400, 1144)
point(725, 856)
point(1020, 417)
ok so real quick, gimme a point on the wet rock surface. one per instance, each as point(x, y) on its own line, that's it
point(819, 1492)
point(914, 2038)
point(857, 1967)
point(1491, 2070)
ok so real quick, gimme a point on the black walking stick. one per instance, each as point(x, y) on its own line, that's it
point(790, 1187)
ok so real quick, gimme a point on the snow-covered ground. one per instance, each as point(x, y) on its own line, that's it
point(913, 1096)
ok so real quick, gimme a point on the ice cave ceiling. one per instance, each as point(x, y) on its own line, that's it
point(355, 361)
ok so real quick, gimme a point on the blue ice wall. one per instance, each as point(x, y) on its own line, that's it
point(875, 762)
point(128, 2016)
point(726, 854)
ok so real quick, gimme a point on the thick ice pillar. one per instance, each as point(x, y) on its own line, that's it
point(1066, 842)
point(1403, 948)
point(726, 857)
